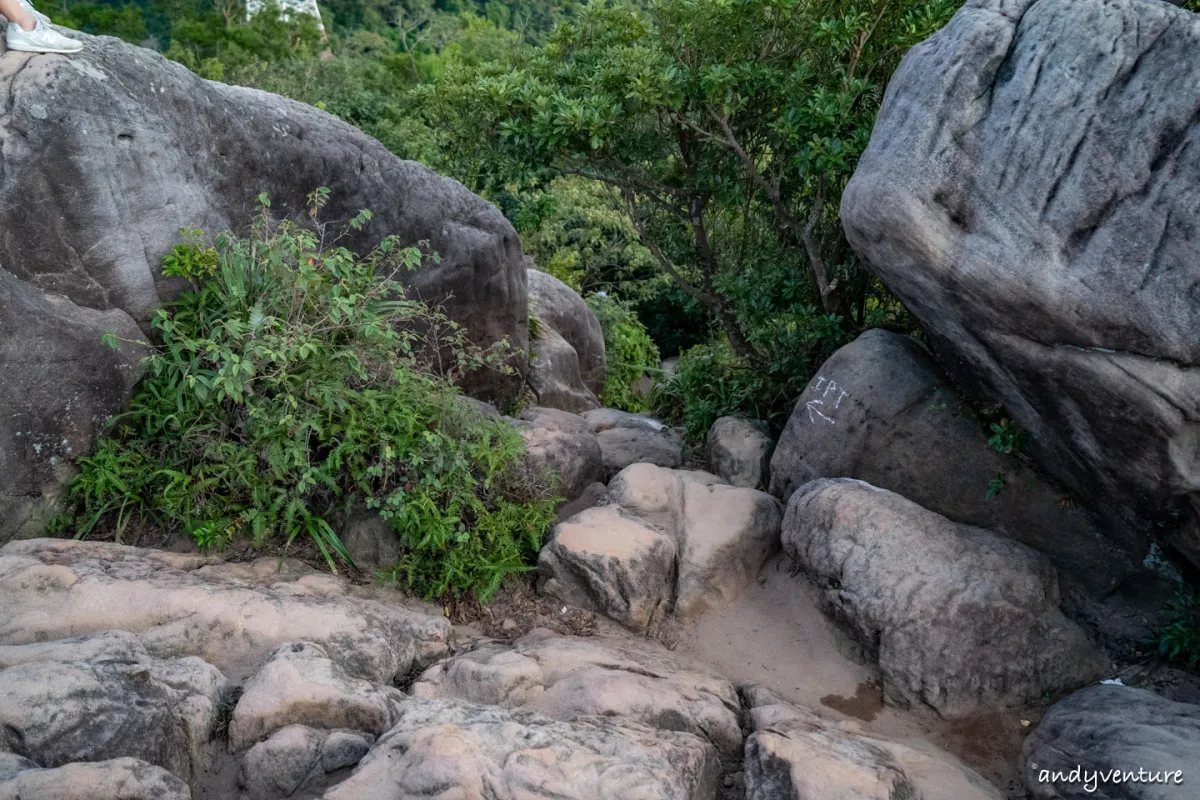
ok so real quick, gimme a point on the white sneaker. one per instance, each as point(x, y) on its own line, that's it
point(42, 39)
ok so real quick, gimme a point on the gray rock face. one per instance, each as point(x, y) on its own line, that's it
point(443, 749)
point(100, 698)
point(567, 678)
point(1104, 728)
point(370, 541)
point(554, 374)
point(300, 685)
point(960, 618)
point(128, 148)
point(559, 447)
point(881, 411)
point(739, 451)
point(560, 307)
point(115, 779)
point(793, 753)
point(231, 615)
point(1031, 192)
point(61, 384)
point(298, 757)
point(627, 438)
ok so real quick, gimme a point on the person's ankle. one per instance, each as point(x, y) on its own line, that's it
point(32, 25)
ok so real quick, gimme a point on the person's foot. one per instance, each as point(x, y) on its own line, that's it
point(42, 39)
point(33, 12)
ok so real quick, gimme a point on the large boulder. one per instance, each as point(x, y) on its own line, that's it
point(449, 749)
point(109, 153)
point(880, 410)
point(560, 450)
point(231, 615)
point(554, 374)
point(561, 308)
point(793, 753)
point(608, 561)
point(739, 451)
point(627, 438)
point(567, 678)
point(960, 619)
point(104, 697)
point(115, 779)
point(1106, 728)
point(723, 534)
point(1031, 192)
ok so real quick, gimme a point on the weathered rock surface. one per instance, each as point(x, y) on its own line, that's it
point(127, 148)
point(567, 678)
point(560, 307)
point(793, 753)
point(115, 779)
point(1104, 728)
point(739, 451)
point(231, 615)
point(1031, 192)
point(560, 445)
point(610, 562)
point(452, 749)
point(880, 410)
point(627, 438)
point(723, 535)
point(298, 757)
point(301, 685)
point(554, 374)
point(959, 617)
point(105, 697)
point(61, 384)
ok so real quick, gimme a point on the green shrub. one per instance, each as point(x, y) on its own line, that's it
point(710, 382)
point(629, 353)
point(289, 386)
point(1179, 639)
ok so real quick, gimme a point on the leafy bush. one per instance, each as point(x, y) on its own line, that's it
point(290, 386)
point(1179, 640)
point(629, 353)
point(710, 382)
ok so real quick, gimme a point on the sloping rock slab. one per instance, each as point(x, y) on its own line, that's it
point(93, 699)
point(1104, 728)
point(627, 438)
point(231, 615)
point(960, 618)
point(554, 374)
point(567, 678)
point(115, 779)
point(560, 447)
point(445, 749)
point(793, 753)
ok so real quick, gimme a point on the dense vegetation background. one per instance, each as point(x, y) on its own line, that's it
point(679, 162)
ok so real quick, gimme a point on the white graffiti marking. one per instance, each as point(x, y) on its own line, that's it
point(826, 388)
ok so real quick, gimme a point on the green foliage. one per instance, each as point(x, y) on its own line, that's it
point(710, 382)
point(629, 353)
point(1007, 436)
point(1179, 639)
point(996, 485)
point(290, 386)
point(125, 22)
point(728, 131)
